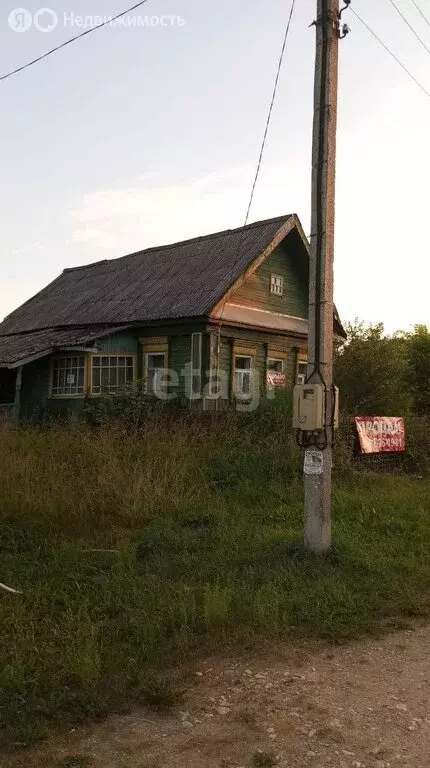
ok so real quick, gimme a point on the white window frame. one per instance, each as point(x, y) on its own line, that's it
point(196, 367)
point(301, 377)
point(154, 353)
point(67, 395)
point(250, 370)
point(213, 384)
point(276, 285)
point(113, 389)
point(276, 360)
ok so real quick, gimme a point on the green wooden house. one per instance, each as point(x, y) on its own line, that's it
point(204, 322)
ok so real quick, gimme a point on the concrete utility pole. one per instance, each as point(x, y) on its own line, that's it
point(320, 339)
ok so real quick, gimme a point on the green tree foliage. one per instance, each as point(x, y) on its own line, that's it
point(418, 344)
point(372, 371)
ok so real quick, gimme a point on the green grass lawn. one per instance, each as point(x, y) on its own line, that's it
point(206, 533)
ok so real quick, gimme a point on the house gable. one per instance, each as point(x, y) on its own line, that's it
point(255, 291)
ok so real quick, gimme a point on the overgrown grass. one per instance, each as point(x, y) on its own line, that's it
point(134, 549)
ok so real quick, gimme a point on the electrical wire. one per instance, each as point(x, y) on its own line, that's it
point(72, 40)
point(420, 11)
point(414, 32)
point(266, 129)
point(263, 143)
point(381, 42)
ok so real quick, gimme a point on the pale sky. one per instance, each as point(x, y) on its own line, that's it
point(140, 136)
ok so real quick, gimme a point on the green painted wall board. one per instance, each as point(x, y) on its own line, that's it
point(120, 343)
point(179, 358)
point(255, 291)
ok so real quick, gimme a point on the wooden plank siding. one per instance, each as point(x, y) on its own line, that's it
point(36, 399)
point(264, 340)
point(179, 358)
point(255, 291)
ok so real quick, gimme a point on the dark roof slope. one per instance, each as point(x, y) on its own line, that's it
point(181, 280)
point(26, 346)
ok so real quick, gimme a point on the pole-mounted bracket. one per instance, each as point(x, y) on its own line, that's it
point(345, 7)
point(341, 32)
point(345, 29)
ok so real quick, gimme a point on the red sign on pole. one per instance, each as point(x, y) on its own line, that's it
point(378, 434)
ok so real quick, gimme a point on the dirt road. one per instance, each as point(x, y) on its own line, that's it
point(364, 705)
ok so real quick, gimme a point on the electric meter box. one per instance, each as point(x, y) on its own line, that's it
point(309, 406)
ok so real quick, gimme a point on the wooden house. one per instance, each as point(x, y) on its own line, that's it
point(205, 322)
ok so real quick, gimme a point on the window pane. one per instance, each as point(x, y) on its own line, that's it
point(196, 365)
point(196, 383)
point(275, 365)
point(151, 381)
point(155, 361)
point(276, 284)
point(246, 379)
point(68, 375)
point(196, 350)
point(243, 363)
point(105, 378)
point(302, 369)
point(81, 379)
point(111, 372)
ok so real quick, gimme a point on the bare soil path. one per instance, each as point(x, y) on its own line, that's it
point(361, 705)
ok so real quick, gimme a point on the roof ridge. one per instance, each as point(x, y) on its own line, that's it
point(199, 238)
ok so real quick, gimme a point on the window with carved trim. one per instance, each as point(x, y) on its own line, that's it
point(276, 285)
point(242, 375)
point(302, 370)
point(155, 365)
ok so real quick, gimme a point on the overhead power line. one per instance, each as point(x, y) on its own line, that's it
point(414, 32)
point(263, 144)
point(393, 55)
point(72, 40)
point(420, 11)
point(266, 129)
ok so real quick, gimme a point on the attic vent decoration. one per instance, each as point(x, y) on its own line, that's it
point(276, 285)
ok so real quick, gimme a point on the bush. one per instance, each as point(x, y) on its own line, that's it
point(130, 405)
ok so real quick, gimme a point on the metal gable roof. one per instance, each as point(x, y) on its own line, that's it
point(185, 279)
point(170, 282)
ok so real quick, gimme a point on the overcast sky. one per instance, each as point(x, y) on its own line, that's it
point(136, 136)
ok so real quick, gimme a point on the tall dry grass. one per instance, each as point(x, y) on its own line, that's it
point(134, 546)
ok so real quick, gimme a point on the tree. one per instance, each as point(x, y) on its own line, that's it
point(372, 372)
point(418, 344)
